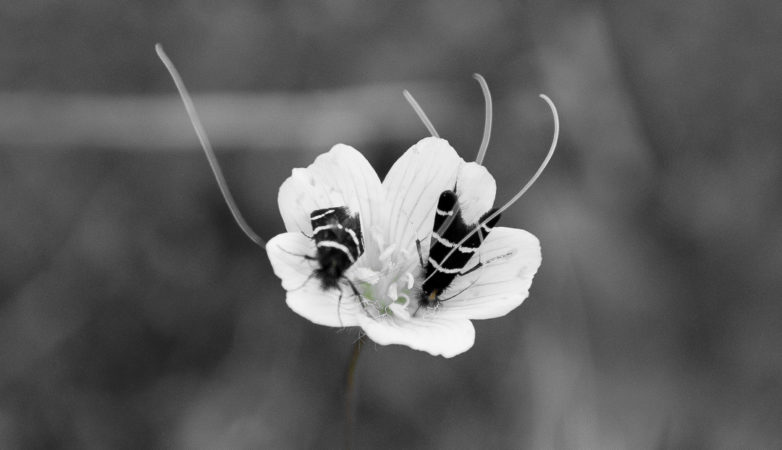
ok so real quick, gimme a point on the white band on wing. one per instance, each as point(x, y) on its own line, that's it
point(337, 226)
point(339, 247)
point(445, 242)
point(442, 269)
point(320, 216)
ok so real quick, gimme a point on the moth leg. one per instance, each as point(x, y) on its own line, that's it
point(420, 254)
point(459, 293)
point(305, 235)
point(356, 293)
point(305, 282)
point(308, 257)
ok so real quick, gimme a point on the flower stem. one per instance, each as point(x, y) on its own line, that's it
point(350, 390)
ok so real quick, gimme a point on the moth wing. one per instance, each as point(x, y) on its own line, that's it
point(353, 223)
point(484, 227)
point(446, 213)
point(323, 216)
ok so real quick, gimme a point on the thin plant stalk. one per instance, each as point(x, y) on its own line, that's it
point(350, 390)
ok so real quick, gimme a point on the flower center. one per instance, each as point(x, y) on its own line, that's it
point(385, 277)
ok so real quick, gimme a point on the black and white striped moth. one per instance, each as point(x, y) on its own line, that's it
point(339, 243)
point(448, 232)
point(454, 242)
point(336, 233)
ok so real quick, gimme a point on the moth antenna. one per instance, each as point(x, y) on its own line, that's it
point(480, 264)
point(421, 114)
point(307, 257)
point(460, 292)
point(526, 186)
point(210, 154)
point(305, 282)
point(487, 123)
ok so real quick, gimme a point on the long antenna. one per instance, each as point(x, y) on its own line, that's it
point(522, 191)
point(487, 123)
point(210, 154)
point(421, 113)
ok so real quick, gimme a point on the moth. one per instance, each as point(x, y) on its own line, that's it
point(339, 243)
point(448, 231)
point(453, 241)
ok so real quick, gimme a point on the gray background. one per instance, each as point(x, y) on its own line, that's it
point(134, 313)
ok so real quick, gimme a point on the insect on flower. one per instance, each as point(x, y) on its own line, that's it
point(339, 243)
point(335, 231)
point(454, 243)
point(338, 239)
point(389, 243)
point(449, 228)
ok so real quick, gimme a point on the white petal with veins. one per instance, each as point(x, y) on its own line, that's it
point(476, 189)
point(340, 177)
point(393, 215)
point(436, 336)
point(305, 295)
point(500, 286)
point(413, 186)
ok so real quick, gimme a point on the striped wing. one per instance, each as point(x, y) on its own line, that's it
point(449, 229)
point(335, 230)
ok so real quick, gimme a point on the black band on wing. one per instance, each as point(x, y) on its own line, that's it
point(448, 231)
point(336, 226)
point(446, 211)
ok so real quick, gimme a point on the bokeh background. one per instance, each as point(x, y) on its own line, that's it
point(134, 313)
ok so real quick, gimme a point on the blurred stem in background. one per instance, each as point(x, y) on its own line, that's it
point(350, 382)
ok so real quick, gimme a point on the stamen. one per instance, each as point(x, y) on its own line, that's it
point(421, 113)
point(522, 191)
point(487, 123)
point(410, 280)
point(210, 155)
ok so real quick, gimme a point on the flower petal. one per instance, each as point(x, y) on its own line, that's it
point(305, 297)
point(434, 335)
point(501, 285)
point(299, 195)
point(476, 189)
point(413, 186)
point(340, 177)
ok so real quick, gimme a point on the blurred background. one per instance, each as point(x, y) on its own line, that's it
point(135, 314)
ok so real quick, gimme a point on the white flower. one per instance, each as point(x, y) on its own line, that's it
point(394, 216)
point(388, 275)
